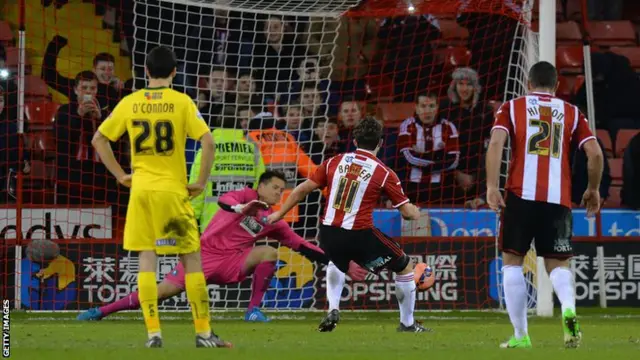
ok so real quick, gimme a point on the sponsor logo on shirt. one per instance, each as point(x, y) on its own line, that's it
point(251, 225)
point(166, 242)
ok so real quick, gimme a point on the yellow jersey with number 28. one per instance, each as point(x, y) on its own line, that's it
point(158, 121)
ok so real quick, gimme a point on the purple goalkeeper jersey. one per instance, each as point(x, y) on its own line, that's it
point(232, 232)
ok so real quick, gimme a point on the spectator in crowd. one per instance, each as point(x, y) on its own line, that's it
point(429, 144)
point(208, 39)
point(615, 89)
point(245, 88)
point(294, 123)
point(275, 54)
point(473, 118)
point(408, 52)
point(311, 99)
point(218, 91)
point(109, 86)
point(580, 177)
point(244, 114)
point(605, 9)
point(324, 143)
point(8, 126)
point(350, 115)
point(630, 193)
point(77, 163)
point(491, 38)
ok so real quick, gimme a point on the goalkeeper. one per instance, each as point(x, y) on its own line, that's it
point(228, 252)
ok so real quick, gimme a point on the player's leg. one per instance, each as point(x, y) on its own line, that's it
point(516, 236)
point(553, 242)
point(172, 285)
point(178, 234)
point(378, 251)
point(140, 236)
point(261, 262)
point(148, 295)
point(336, 244)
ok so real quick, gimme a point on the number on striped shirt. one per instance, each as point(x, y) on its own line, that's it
point(544, 131)
point(351, 187)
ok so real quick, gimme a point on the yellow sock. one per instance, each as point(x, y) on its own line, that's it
point(199, 301)
point(148, 296)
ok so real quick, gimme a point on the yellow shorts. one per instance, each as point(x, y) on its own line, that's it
point(161, 221)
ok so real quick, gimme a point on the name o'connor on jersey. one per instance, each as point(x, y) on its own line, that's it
point(362, 171)
point(150, 108)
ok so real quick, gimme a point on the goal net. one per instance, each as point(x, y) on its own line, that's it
point(294, 78)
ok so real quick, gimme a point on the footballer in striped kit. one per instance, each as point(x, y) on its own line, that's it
point(355, 181)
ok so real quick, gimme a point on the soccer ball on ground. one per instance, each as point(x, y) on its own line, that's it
point(424, 276)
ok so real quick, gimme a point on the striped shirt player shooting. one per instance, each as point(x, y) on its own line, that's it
point(543, 129)
point(160, 219)
point(355, 181)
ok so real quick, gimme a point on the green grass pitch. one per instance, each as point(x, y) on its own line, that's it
point(610, 334)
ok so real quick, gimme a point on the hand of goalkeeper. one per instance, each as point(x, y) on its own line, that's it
point(251, 208)
point(356, 272)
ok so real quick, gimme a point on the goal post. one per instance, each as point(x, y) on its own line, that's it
point(296, 76)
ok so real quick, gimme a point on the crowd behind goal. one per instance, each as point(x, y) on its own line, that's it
point(255, 72)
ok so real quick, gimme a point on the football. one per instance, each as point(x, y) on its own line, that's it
point(425, 278)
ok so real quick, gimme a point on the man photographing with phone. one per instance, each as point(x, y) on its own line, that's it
point(76, 161)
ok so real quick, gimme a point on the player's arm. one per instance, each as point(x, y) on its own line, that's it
point(111, 130)
point(595, 163)
point(298, 194)
point(238, 202)
point(197, 202)
point(318, 180)
point(502, 127)
point(197, 129)
point(494, 157)
point(399, 200)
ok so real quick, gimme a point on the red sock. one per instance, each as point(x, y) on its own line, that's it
point(261, 278)
point(128, 302)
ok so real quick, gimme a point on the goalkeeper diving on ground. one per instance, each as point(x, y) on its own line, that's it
point(228, 252)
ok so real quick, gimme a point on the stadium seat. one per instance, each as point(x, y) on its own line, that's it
point(622, 140)
point(604, 136)
point(38, 184)
point(6, 34)
point(453, 56)
point(612, 33)
point(13, 60)
point(35, 89)
point(631, 53)
point(565, 87)
point(395, 113)
point(579, 80)
point(568, 33)
point(40, 115)
point(452, 33)
point(41, 144)
point(569, 59)
point(380, 87)
point(614, 200)
point(615, 166)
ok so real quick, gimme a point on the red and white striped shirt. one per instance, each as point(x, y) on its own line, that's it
point(542, 129)
point(355, 181)
point(419, 142)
